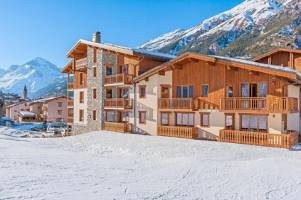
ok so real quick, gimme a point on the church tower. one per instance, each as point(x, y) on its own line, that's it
point(25, 92)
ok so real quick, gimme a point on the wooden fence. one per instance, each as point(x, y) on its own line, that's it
point(179, 132)
point(257, 138)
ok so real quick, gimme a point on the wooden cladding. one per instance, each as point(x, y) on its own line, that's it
point(119, 103)
point(260, 139)
point(80, 79)
point(266, 104)
point(178, 131)
point(118, 79)
point(70, 86)
point(81, 63)
point(117, 127)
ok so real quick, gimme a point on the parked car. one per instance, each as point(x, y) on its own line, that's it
point(55, 128)
point(5, 121)
point(296, 147)
point(40, 127)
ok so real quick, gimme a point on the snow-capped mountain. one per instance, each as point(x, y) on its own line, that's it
point(250, 28)
point(35, 74)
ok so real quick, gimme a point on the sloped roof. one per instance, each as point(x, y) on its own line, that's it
point(121, 49)
point(276, 51)
point(27, 114)
point(240, 63)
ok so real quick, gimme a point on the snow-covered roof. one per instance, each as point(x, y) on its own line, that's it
point(123, 49)
point(43, 100)
point(257, 64)
point(27, 114)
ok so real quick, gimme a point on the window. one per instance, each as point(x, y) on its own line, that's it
point(179, 91)
point(94, 55)
point(165, 118)
point(94, 71)
point(230, 91)
point(59, 104)
point(229, 121)
point(125, 69)
point(81, 97)
point(142, 91)
point(59, 112)
point(125, 92)
point(125, 116)
point(109, 71)
point(142, 117)
point(191, 91)
point(262, 89)
point(185, 119)
point(81, 78)
point(164, 91)
point(81, 115)
point(94, 115)
point(204, 119)
point(110, 116)
point(205, 90)
point(184, 91)
point(94, 93)
point(254, 122)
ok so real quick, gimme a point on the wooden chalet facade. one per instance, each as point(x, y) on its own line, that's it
point(190, 96)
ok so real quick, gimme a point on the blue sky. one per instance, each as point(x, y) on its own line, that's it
point(48, 28)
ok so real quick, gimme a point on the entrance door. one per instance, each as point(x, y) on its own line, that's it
point(253, 90)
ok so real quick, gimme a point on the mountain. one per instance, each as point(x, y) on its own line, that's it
point(247, 30)
point(56, 88)
point(35, 74)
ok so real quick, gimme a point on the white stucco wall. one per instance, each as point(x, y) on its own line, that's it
point(150, 103)
point(293, 119)
point(78, 106)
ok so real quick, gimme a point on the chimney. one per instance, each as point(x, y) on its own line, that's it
point(96, 37)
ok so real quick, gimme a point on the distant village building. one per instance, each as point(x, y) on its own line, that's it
point(13, 110)
point(25, 92)
point(52, 109)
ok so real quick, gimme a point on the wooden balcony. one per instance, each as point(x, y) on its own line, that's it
point(70, 86)
point(70, 103)
point(118, 79)
point(122, 127)
point(260, 104)
point(178, 131)
point(81, 63)
point(175, 103)
point(119, 103)
point(258, 138)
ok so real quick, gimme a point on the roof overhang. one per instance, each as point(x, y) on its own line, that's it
point(276, 51)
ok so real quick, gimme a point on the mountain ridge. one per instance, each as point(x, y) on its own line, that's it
point(246, 30)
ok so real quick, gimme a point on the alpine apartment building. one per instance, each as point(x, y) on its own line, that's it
point(190, 96)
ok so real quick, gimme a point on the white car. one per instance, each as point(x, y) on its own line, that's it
point(56, 128)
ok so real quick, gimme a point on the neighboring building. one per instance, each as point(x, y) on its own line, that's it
point(13, 110)
point(52, 109)
point(189, 96)
point(102, 77)
point(26, 116)
point(290, 58)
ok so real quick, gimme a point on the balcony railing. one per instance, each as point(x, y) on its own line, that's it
point(119, 103)
point(70, 86)
point(175, 103)
point(118, 78)
point(178, 131)
point(258, 138)
point(267, 104)
point(70, 103)
point(122, 127)
point(81, 63)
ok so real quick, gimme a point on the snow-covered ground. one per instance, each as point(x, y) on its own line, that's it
point(108, 165)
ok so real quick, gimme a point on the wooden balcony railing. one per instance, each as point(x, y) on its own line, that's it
point(178, 131)
point(70, 103)
point(267, 104)
point(81, 63)
point(119, 78)
point(258, 138)
point(175, 103)
point(122, 127)
point(119, 103)
point(70, 86)
point(70, 120)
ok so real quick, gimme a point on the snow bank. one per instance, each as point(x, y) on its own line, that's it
point(109, 165)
